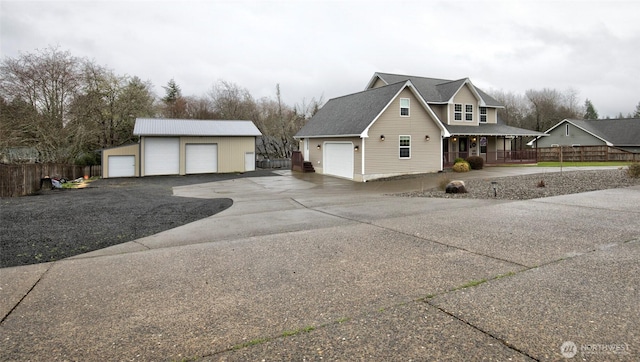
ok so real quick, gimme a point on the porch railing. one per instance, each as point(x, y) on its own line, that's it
point(498, 157)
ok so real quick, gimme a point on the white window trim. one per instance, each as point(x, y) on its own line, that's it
point(486, 115)
point(401, 147)
point(461, 112)
point(465, 113)
point(408, 107)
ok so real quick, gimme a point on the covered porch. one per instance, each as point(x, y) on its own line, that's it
point(495, 143)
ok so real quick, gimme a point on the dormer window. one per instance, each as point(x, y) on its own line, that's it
point(468, 113)
point(483, 114)
point(457, 112)
point(404, 107)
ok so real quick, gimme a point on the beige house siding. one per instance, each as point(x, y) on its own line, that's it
point(441, 111)
point(231, 151)
point(464, 97)
point(382, 158)
point(129, 150)
point(492, 115)
point(378, 83)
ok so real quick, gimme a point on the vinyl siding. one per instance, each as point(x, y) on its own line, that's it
point(129, 150)
point(378, 83)
point(464, 97)
point(382, 157)
point(576, 137)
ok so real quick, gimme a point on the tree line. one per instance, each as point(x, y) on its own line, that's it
point(540, 110)
point(67, 108)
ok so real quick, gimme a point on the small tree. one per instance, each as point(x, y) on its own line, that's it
point(175, 106)
point(636, 114)
point(590, 111)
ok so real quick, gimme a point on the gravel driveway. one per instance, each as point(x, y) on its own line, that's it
point(56, 224)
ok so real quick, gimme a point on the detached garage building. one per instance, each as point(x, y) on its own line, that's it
point(181, 147)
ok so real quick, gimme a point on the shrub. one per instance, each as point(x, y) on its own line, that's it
point(475, 162)
point(444, 181)
point(634, 170)
point(459, 159)
point(461, 167)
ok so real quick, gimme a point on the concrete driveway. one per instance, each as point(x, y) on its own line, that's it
point(306, 267)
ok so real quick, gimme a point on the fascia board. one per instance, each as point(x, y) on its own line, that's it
point(373, 81)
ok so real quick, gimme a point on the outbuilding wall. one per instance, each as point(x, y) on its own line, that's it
point(128, 150)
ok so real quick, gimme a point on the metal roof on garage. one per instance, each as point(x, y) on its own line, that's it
point(193, 127)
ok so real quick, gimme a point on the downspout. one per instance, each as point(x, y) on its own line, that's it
point(362, 142)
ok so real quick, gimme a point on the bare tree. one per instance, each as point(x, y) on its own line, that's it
point(47, 81)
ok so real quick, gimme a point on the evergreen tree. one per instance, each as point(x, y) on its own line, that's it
point(590, 111)
point(636, 114)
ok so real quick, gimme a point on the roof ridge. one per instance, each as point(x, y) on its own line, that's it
point(370, 89)
point(417, 76)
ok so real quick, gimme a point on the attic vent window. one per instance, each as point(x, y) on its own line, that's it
point(404, 107)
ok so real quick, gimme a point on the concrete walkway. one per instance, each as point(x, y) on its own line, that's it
point(306, 267)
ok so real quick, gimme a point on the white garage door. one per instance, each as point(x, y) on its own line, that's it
point(201, 158)
point(122, 166)
point(162, 156)
point(338, 159)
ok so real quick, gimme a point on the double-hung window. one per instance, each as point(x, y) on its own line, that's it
point(483, 114)
point(405, 146)
point(468, 112)
point(457, 112)
point(404, 107)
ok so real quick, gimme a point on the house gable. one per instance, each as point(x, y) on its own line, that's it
point(408, 91)
point(382, 144)
point(610, 132)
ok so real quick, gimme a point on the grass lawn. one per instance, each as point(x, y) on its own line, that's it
point(585, 164)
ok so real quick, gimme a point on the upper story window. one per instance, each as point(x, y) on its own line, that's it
point(457, 112)
point(468, 112)
point(483, 114)
point(404, 107)
point(566, 129)
point(405, 146)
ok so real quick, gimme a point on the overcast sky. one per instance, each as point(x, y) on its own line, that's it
point(333, 48)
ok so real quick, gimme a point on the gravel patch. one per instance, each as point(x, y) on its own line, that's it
point(57, 224)
point(530, 186)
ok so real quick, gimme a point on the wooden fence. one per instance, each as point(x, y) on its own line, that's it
point(586, 154)
point(25, 179)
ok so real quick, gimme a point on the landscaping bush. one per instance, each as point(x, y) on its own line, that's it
point(634, 170)
point(459, 159)
point(444, 181)
point(475, 162)
point(461, 167)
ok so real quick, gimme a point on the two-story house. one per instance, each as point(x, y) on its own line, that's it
point(403, 125)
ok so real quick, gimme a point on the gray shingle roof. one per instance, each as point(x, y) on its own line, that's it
point(618, 132)
point(350, 115)
point(192, 127)
point(435, 90)
point(491, 129)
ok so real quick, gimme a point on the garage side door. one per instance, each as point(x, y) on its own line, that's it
point(338, 159)
point(162, 156)
point(201, 158)
point(122, 166)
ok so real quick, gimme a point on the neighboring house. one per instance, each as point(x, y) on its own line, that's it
point(180, 147)
point(404, 124)
point(619, 133)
